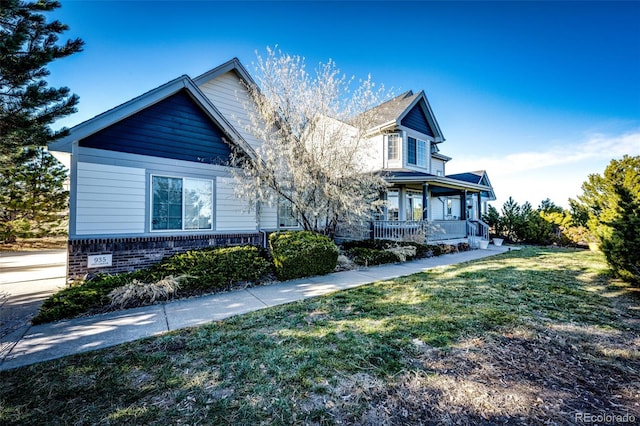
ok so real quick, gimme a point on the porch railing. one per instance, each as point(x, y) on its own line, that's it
point(400, 230)
point(448, 229)
point(417, 230)
point(478, 228)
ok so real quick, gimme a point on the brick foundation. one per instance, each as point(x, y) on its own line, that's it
point(129, 254)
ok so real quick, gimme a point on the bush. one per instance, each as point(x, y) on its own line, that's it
point(211, 269)
point(422, 250)
point(214, 269)
point(377, 252)
point(448, 249)
point(299, 254)
point(81, 297)
point(464, 247)
point(364, 256)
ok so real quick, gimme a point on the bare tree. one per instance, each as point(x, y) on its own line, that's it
point(315, 154)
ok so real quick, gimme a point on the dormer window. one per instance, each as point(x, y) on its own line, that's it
point(416, 152)
point(393, 146)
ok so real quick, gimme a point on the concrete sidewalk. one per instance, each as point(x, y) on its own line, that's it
point(49, 341)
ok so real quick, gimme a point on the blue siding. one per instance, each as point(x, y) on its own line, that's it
point(416, 120)
point(175, 128)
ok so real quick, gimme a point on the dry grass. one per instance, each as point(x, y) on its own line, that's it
point(137, 293)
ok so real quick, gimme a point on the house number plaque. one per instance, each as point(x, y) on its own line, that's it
point(99, 260)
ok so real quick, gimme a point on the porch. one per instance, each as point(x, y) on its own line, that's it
point(428, 231)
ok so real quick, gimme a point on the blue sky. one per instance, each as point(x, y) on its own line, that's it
point(540, 94)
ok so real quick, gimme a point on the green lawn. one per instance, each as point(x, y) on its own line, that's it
point(528, 337)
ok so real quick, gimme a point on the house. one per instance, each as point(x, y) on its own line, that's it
point(151, 177)
point(408, 136)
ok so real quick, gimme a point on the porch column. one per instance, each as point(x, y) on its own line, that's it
point(425, 202)
point(479, 213)
point(402, 203)
point(463, 205)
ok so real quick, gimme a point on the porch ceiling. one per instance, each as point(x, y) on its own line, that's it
point(438, 184)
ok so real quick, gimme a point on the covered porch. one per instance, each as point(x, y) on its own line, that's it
point(437, 207)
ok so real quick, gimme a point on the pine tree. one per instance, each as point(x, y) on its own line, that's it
point(27, 105)
point(33, 196)
point(613, 203)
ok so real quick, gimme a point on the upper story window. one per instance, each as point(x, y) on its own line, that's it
point(181, 203)
point(416, 152)
point(393, 146)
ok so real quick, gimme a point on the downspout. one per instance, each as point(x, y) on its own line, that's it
point(261, 232)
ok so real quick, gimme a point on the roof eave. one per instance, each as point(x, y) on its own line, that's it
point(441, 181)
point(118, 113)
point(143, 101)
point(231, 65)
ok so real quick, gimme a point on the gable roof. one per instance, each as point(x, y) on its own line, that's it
point(390, 114)
point(478, 177)
point(232, 65)
point(135, 105)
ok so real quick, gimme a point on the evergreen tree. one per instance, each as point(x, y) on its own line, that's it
point(613, 202)
point(27, 105)
point(32, 196)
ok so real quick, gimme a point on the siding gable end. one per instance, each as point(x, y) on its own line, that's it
point(417, 120)
point(175, 128)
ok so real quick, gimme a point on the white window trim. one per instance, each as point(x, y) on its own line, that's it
point(213, 204)
point(427, 154)
point(296, 226)
point(398, 144)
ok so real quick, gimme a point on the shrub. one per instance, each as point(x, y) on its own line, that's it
point(448, 248)
point(210, 269)
point(299, 254)
point(365, 252)
point(80, 297)
point(403, 252)
point(364, 256)
point(421, 250)
point(464, 247)
point(213, 269)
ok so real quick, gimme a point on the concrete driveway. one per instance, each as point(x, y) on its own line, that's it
point(26, 279)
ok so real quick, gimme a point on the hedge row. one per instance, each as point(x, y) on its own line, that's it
point(377, 252)
point(208, 270)
point(295, 254)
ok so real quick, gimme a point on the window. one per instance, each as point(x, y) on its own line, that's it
point(286, 217)
point(392, 205)
point(414, 205)
point(417, 152)
point(411, 150)
point(181, 203)
point(449, 206)
point(422, 153)
point(393, 146)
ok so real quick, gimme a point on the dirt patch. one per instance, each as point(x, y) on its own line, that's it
point(532, 375)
